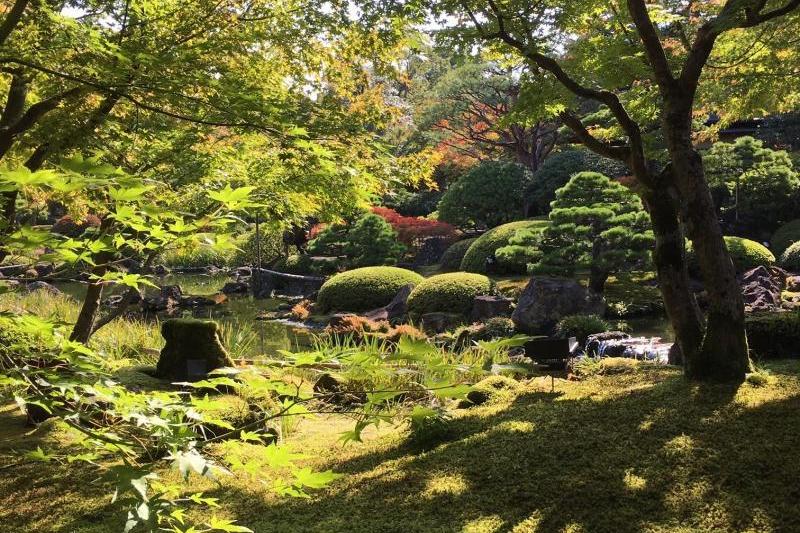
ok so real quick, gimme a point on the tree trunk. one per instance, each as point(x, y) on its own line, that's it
point(673, 279)
point(723, 354)
point(82, 330)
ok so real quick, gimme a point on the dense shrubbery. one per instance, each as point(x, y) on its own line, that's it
point(308, 265)
point(522, 250)
point(486, 196)
point(411, 230)
point(452, 257)
point(414, 204)
point(271, 246)
point(746, 254)
point(480, 256)
point(448, 293)
point(499, 327)
point(581, 326)
point(370, 241)
point(785, 236)
point(363, 289)
point(790, 258)
point(598, 224)
point(755, 188)
point(774, 335)
point(556, 171)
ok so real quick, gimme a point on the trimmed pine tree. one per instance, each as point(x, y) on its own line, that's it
point(596, 224)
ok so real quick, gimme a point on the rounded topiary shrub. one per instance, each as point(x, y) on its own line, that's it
point(480, 256)
point(746, 254)
point(448, 293)
point(365, 288)
point(452, 257)
point(785, 236)
point(790, 258)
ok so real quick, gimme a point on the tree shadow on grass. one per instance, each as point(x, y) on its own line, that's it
point(656, 457)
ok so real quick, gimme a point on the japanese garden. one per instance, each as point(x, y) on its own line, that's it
point(469, 266)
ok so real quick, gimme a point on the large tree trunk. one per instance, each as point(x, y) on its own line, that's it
point(723, 355)
point(82, 330)
point(673, 280)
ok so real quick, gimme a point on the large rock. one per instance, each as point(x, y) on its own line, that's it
point(41, 286)
point(486, 307)
point(762, 288)
point(606, 344)
point(395, 309)
point(547, 300)
point(169, 297)
point(618, 344)
point(431, 250)
point(193, 349)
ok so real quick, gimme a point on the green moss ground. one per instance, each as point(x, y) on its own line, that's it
point(632, 449)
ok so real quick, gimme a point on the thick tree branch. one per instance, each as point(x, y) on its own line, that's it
point(12, 19)
point(620, 153)
point(652, 45)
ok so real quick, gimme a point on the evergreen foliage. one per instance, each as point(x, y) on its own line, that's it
point(448, 293)
point(754, 188)
point(785, 236)
point(556, 171)
point(486, 196)
point(745, 254)
point(596, 223)
point(365, 288)
point(452, 257)
point(481, 255)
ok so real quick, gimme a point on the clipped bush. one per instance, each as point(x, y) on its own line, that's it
point(452, 257)
point(581, 326)
point(370, 241)
point(746, 254)
point(556, 171)
point(448, 293)
point(363, 289)
point(790, 258)
point(480, 256)
point(308, 265)
point(774, 335)
point(488, 195)
point(785, 236)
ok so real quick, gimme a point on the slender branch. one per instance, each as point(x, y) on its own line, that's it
point(620, 153)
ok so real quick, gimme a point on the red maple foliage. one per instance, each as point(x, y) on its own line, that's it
point(411, 230)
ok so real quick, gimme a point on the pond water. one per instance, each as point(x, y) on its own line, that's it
point(254, 338)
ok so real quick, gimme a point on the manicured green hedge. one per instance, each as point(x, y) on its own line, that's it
point(487, 244)
point(785, 236)
point(774, 335)
point(308, 265)
point(790, 259)
point(746, 254)
point(452, 257)
point(448, 293)
point(365, 288)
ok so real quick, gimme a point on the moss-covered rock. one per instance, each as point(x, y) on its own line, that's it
point(364, 289)
point(790, 258)
point(448, 293)
point(785, 236)
point(746, 254)
point(452, 257)
point(193, 349)
point(480, 257)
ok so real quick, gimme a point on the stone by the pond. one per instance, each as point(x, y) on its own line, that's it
point(606, 344)
point(192, 350)
point(546, 300)
point(41, 286)
point(762, 288)
point(433, 323)
point(485, 307)
point(169, 297)
point(203, 301)
point(236, 287)
point(330, 390)
point(395, 309)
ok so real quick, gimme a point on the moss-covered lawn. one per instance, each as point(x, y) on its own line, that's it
point(640, 450)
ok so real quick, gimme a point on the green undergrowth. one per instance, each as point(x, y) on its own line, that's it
point(632, 447)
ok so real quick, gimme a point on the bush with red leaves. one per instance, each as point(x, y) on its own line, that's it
point(412, 230)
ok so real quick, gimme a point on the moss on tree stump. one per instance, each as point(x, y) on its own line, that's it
point(193, 349)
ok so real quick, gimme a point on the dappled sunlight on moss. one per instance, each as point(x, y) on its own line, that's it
point(634, 482)
point(445, 483)
point(485, 524)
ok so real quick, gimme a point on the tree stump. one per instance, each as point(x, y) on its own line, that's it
point(193, 349)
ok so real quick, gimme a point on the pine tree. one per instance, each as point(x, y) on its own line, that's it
point(596, 223)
